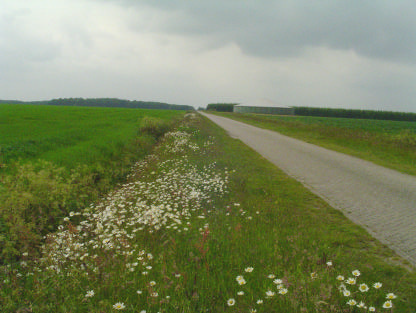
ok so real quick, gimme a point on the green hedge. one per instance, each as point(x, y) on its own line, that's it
point(221, 107)
point(349, 113)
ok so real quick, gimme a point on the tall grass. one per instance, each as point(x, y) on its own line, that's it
point(204, 224)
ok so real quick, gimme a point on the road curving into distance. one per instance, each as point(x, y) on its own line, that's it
point(381, 200)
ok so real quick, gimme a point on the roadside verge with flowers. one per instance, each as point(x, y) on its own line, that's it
point(206, 225)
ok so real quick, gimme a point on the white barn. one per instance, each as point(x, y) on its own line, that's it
point(264, 106)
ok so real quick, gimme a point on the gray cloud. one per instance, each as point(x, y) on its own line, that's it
point(381, 29)
point(20, 46)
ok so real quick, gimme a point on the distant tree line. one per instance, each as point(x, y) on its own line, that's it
point(221, 107)
point(349, 113)
point(105, 102)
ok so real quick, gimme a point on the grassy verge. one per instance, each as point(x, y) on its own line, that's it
point(205, 224)
point(388, 143)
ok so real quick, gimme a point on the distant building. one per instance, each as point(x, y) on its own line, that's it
point(264, 107)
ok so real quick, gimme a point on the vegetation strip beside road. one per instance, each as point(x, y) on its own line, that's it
point(390, 144)
point(54, 160)
point(204, 224)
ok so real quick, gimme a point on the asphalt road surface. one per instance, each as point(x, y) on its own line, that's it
point(381, 200)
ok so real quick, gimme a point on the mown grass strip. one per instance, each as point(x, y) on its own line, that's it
point(388, 143)
point(207, 225)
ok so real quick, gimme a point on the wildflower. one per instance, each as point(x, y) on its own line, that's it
point(346, 293)
point(270, 293)
point(361, 305)
point(277, 281)
point(372, 309)
point(240, 293)
point(230, 302)
point(340, 278)
point(363, 288)
point(388, 304)
point(119, 306)
point(351, 281)
point(154, 294)
point(356, 273)
point(329, 263)
point(377, 285)
point(177, 275)
point(139, 292)
point(314, 275)
point(283, 291)
point(248, 269)
point(271, 276)
point(391, 296)
point(152, 283)
point(280, 286)
point(253, 310)
point(90, 294)
point(259, 301)
point(241, 280)
point(352, 302)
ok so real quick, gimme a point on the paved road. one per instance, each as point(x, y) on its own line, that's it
point(381, 200)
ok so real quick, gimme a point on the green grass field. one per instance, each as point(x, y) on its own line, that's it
point(69, 136)
point(388, 143)
point(204, 224)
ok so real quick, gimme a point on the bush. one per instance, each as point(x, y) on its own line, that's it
point(153, 126)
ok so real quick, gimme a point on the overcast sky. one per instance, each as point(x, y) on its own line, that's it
point(343, 54)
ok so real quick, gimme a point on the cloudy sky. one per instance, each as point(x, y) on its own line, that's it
point(357, 54)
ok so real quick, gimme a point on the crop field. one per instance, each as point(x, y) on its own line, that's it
point(388, 143)
point(374, 126)
point(68, 136)
point(204, 224)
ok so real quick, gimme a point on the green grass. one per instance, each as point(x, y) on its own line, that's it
point(388, 143)
point(68, 136)
point(199, 211)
